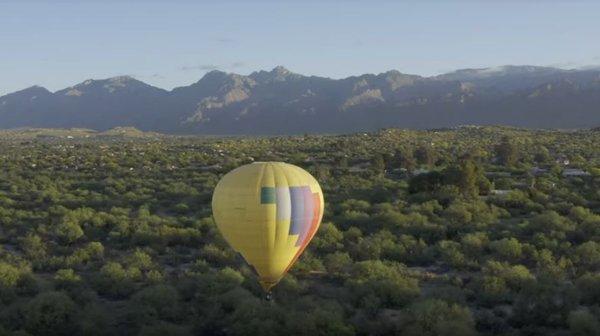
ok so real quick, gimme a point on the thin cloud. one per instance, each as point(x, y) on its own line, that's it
point(563, 65)
point(589, 67)
point(203, 67)
point(154, 76)
point(210, 67)
point(224, 40)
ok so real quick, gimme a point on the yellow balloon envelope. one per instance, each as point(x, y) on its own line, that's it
point(268, 212)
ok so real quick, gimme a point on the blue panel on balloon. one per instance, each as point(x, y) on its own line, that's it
point(297, 197)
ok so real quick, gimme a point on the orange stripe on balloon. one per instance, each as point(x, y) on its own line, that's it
point(312, 231)
point(315, 222)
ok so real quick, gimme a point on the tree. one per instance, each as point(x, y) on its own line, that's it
point(515, 275)
point(550, 222)
point(425, 155)
point(322, 172)
point(583, 323)
point(383, 282)
point(140, 260)
point(338, 263)
point(589, 287)
point(428, 182)
point(378, 165)
point(404, 159)
point(164, 328)
point(507, 248)
point(68, 231)
point(435, 317)
point(328, 239)
point(450, 253)
point(66, 278)
point(507, 151)
point(33, 246)
point(160, 302)
point(52, 313)
point(465, 177)
point(9, 275)
point(544, 302)
point(115, 280)
point(96, 320)
point(588, 255)
point(542, 155)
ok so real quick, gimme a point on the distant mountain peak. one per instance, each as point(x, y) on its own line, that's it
point(122, 79)
point(502, 70)
point(32, 91)
point(35, 89)
point(219, 78)
point(28, 95)
point(394, 72)
point(114, 83)
point(280, 70)
point(215, 73)
point(397, 74)
point(110, 85)
point(277, 74)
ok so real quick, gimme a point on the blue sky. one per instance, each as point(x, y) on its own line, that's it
point(173, 43)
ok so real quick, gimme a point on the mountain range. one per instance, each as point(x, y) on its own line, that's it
point(282, 102)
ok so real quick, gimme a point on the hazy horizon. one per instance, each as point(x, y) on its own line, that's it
point(583, 67)
point(58, 44)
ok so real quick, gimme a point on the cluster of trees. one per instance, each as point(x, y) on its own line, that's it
point(447, 232)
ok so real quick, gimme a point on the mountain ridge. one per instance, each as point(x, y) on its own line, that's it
point(280, 101)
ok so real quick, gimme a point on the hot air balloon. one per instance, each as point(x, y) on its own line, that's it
point(268, 212)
